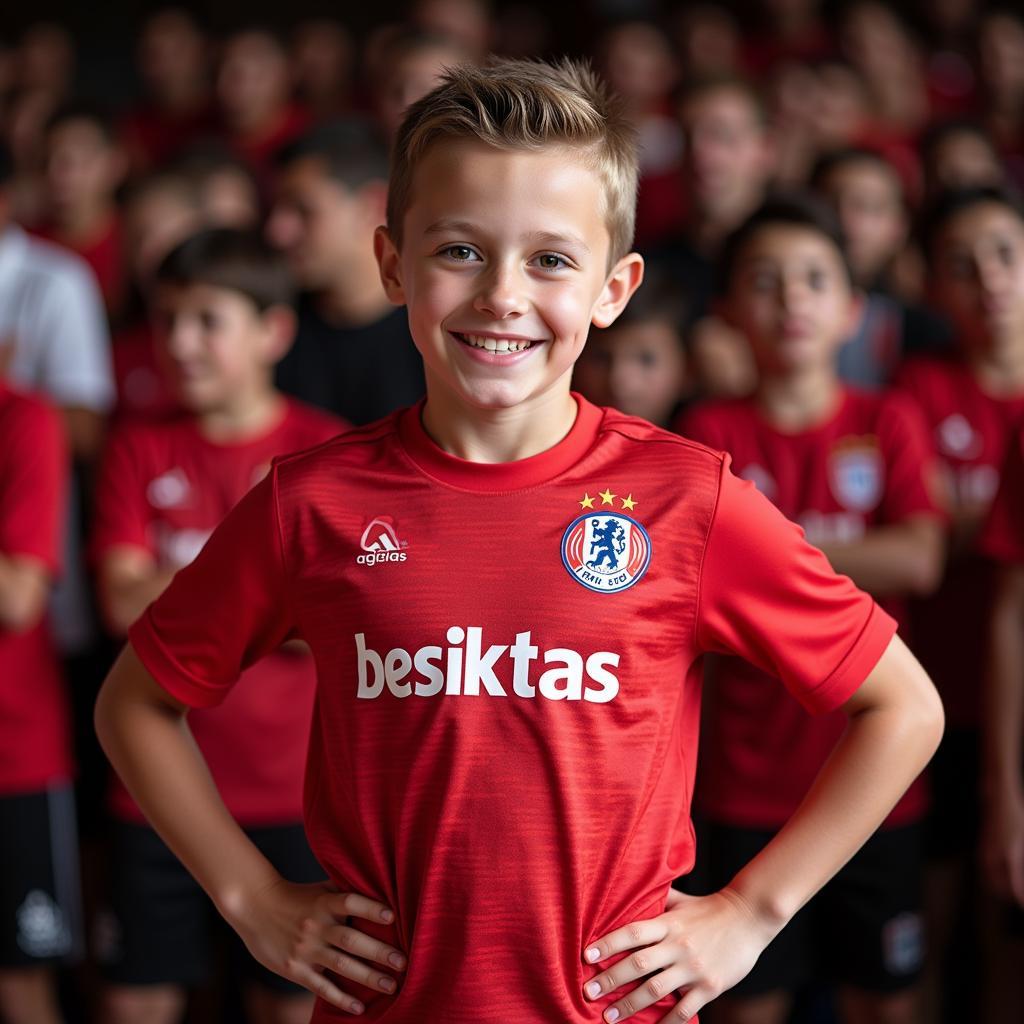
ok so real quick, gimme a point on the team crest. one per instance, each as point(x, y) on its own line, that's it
point(606, 551)
point(856, 476)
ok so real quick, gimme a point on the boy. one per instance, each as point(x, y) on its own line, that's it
point(974, 245)
point(39, 897)
point(853, 468)
point(506, 716)
point(638, 365)
point(83, 169)
point(222, 321)
point(867, 194)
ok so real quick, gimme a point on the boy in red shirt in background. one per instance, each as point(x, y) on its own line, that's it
point(222, 321)
point(974, 246)
point(853, 468)
point(509, 593)
point(39, 895)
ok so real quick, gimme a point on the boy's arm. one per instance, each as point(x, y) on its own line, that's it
point(707, 944)
point(295, 930)
point(129, 581)
point(24, 587)
point(1003, 726)
point(900, 558)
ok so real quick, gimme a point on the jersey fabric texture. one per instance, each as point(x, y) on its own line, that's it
point(35, 744)
point(501, 753)
point(971, 430)
point(869, 464)
point(163, 488)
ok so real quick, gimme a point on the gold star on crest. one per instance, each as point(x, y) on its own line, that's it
point(587, 502)
point(606, 497)
point(628, 502)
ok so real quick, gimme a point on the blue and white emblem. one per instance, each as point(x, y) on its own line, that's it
point(856, 477)
point(606, 551)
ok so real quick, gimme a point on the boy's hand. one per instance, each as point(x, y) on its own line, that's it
point(1002, 847)
point(298, 931)
point(702, 944)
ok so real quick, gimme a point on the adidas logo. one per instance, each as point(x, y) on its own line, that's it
point(380, 543)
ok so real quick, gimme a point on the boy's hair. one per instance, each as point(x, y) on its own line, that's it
point(84, 110)
point(6, 164)
point(836, 158)
point(239, 260)
point(952, 202)
point(525, 104)
point(351, 152)
point(783, 209)
point(939, 132)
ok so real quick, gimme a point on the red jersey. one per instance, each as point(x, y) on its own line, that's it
point(867, 465)
point(1003, 536)
point(971, 431)
point(104, 253)
point(154, 136)
point(142, 389)
point(35, 743)
point(163, 488)
point(509, 664)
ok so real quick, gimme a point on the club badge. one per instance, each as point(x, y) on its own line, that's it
point(604, 549)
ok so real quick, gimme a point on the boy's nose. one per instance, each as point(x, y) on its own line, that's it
point(501, 295)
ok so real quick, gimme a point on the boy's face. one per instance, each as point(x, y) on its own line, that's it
point(867, 199)
point(82, 166)
point(977, 274)
point(638, 368)
point(252, 81)
point(214, 345)
point(790, 296)
point(316, 222)
point(503, 250)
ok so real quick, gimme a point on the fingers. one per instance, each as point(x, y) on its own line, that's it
point(351, 904)
point(654, 988)
point(631, 968)
point(322, 986)
point(362, 945)
point(356, 970)
point(687, 1007)
point(630, 936)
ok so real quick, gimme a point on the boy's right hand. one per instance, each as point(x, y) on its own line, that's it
point(299, 931)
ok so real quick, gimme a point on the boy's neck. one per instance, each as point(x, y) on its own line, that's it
point(497, 435)
point(999, 367)
point(356, 299)
point(84, 223)
point(799, 400)
point(248, 414)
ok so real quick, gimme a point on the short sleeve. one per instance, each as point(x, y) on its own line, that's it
point(225, 610)
point(1003, 535)
point(33, 482)
point(119, 507)
point(771, 598)
point(913, 474)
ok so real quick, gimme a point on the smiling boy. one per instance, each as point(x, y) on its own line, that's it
point(505, 735)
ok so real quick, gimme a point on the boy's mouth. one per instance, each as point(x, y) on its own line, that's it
point(491, 344)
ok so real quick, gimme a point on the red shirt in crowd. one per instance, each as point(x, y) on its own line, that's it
point(153, 136)
point(869, 464)
point(509, 672)
point(35, 741)
point(163, 488)
point(1003, 536)
point(971, 430)
point(104, 252)
point(142, 389)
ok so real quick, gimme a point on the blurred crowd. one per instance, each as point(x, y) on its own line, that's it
point(271, 148)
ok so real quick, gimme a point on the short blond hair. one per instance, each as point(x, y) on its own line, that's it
point(525, 104)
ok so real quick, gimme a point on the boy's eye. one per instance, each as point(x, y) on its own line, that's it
point(1006, 255)
point(817, 279)
point(460, 253)
point(550, 261)
point(209, 320)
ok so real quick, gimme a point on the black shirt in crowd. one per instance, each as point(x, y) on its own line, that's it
point(360, 373)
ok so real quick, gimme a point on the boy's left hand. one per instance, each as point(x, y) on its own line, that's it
point(701, 944)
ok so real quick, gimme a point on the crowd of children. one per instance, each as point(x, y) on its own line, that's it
point(195, 283)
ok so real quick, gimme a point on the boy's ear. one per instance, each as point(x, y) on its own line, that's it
point(623, 280)
point(390, 265)
point(279, 324)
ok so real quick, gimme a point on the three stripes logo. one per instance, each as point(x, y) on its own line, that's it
point(380, 543)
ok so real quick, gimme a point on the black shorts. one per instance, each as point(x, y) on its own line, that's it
point(864, 929)
point(40, 891)
point(160, 928)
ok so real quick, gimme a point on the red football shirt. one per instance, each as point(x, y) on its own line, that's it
point(142, 390)
point(972, 430)
point(509, 667)
point(1003, 536)
point(868, 465)
point(104, 252)
point(35, 743)
point(164, 488)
